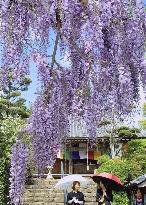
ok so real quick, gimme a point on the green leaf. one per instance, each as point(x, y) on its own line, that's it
point(125, 133)
point(104, 122)
point(26, 80)
point(15, 94)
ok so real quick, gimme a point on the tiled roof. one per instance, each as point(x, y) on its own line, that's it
point(139, 180)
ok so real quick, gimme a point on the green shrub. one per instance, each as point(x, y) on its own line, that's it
point(120, 199)
point(103, 159)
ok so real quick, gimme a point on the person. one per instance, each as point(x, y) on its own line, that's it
point(132, 196)
point(75, 197)
point(139, 198)
point(104, 194)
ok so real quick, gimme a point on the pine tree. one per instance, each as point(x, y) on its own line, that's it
point(11, 102)
point(142, 122)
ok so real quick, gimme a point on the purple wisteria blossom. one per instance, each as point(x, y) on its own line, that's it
point(19, 161)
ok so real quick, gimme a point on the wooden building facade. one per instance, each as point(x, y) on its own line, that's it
point(78, 156)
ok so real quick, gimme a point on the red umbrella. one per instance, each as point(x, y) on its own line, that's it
point(110, 180)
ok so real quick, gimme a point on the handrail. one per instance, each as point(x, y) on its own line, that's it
point(84, 175)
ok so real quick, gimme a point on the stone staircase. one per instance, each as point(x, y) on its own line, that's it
point(42, 192)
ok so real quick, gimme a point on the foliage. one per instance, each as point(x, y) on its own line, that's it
point(9, 128)
point(135, 147)
point(133, 161)
point(11, 102)
point(4, 180)
point(117, 167)
point(120, 198)
point(122, 128)
point(124, 131)
point(142, 122)
point(136, 154)
point(144, 108)
point(103, 159)
point(104, 122)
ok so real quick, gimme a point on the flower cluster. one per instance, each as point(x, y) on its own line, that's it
point(19, 162)
point(49, 120)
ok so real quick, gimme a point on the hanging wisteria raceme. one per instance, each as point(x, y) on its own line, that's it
point(121, 57)
point(139, 26)
point(104, 34)
point(42, 136)
point(19, 161)
point(112, 48)
point(48, 129)
point(14, 30)
point(49, 120)
point(44, 73)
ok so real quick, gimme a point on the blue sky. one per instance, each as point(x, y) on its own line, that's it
point(30, 95)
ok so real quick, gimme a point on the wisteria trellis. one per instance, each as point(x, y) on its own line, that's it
point(104, 40)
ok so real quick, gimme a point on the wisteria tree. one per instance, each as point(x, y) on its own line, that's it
point(104, 41)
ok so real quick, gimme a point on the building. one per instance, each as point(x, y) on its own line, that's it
point(137, 189)
point(80, 156)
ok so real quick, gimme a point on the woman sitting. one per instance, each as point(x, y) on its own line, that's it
point(75, 197)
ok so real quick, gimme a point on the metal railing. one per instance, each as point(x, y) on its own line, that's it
point(59, 175)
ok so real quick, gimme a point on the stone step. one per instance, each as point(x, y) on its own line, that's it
point(42, 195)
point(53, 202)
point(43, 192)
point(34, 187)
point(57, 203)
point(43, 203)
point(46, 182)
point(47, 185)
point(44, 200)
point(52, 199)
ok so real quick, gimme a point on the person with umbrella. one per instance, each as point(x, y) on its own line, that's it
point(104, 194)
point(75, 197)
point(107, 182)
point(74, 181)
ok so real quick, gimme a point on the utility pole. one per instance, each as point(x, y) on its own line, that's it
point(112, 151)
